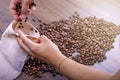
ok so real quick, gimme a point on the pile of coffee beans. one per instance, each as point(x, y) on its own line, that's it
point(90, 37)
point(37, 68)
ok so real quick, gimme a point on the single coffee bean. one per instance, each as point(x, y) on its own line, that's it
point(36, 31)
point(20, 23)
point(22, 26)
point(33, 20)
point(19, 26)
point(31, 29)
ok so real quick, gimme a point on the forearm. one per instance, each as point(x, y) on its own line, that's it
point(75, 71)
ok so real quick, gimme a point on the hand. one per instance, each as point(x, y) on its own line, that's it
point(42, 48)
point(20, 9)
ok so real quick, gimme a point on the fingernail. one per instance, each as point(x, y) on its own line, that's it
point(17, 34)
point(33, 8)
point(19, 31)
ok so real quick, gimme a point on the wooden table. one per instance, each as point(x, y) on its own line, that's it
point(53, 10)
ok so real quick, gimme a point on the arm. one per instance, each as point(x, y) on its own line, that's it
point(45, 49)
point(76, 71)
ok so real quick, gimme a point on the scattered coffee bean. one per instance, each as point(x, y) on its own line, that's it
point(22, 26)
point(20, 23)
point(31, 29)
point(40, 25)
point(44, 24)
point(18, 8)
point(26, 19)
point(33, 20)
point(19, 26)
point(90, 37)
point(39, 20)
point(36, 31)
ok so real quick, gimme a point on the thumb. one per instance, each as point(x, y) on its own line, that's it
point(43, 39)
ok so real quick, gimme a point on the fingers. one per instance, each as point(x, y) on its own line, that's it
point(26, 7)
point(43, 38)
point(22, 44)
point(27, 41)
point(14, 13)
point(33, 8)
point(15, 16)
point(13, 9)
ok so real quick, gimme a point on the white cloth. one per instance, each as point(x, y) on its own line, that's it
point(12, 56)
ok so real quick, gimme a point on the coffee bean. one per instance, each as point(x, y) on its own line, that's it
point(54, 74)
point(31, 29)
point(36, 31)
point(22, 26)
point(90, 37)
point(40, 25)
point(26, 19)
point(33, 20)
point(20, 23)
point(39, 20)
point(19, 26)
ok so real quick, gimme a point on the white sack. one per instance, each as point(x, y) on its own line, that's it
point(12, 57)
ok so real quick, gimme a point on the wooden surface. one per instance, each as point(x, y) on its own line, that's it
point(53, 10)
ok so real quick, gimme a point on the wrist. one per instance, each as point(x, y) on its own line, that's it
point(57, 59)
point(58, 62)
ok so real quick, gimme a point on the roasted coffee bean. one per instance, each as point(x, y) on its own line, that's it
point(33, 20)
point(31, 29)
point(40, 25)
point(39, 20)
point(36, 31)
point(19, 26)
point(90, 37)
point(26, 19)
point(18, 8)
point(54, 74)
point(20, 23)
point(22, 26)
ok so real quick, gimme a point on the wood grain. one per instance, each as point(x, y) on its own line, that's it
point(53, 10)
